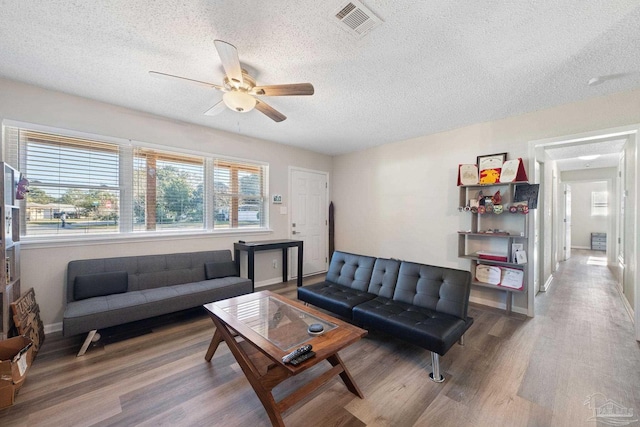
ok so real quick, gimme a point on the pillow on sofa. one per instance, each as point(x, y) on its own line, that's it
point(216, 270)
point(100, 284)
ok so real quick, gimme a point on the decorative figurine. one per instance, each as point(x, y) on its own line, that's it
point(497, 198)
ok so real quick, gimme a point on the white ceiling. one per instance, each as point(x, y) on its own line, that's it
point(431, 66)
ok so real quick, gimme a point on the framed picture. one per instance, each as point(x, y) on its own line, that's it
point(490, 167)
point(467, 174)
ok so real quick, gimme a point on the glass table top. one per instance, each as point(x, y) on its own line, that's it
point(280, 323)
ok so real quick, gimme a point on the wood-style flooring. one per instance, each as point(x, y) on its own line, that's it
point(512, 371)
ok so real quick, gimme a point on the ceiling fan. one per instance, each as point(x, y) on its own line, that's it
point(240, 88)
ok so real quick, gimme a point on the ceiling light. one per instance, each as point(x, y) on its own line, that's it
point(592, 157)
point(239, 101)
point(595, 81)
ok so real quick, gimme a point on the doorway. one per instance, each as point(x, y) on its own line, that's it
point(309, 217)
point(541, 153)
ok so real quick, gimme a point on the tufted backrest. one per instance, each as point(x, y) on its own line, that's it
point(384, 277)
point(444, 290)
point(148, 271)
point(350, 270)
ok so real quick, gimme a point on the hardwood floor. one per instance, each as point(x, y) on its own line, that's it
point(512, 371)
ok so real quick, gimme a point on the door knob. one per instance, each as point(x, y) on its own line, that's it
point(294, 232)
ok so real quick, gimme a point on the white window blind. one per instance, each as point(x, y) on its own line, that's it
point(239, 194)
point(74, 184)
point(168, 190)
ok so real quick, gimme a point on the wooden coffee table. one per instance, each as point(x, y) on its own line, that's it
point(260, 328)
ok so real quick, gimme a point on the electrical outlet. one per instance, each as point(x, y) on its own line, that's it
point(275, 263)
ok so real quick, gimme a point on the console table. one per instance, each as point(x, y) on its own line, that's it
point(268, 245)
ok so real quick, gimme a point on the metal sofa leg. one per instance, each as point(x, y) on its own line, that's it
point(435, 364)
point(91, 336)
point(461, 341)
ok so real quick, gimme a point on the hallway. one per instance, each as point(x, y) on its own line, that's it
point(585, 343)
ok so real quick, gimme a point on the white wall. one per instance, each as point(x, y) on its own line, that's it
point(583, 223)
point(583, 177)
point(43, 265)
point(400, 199)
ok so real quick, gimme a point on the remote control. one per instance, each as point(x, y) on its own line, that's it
point(298, 360)
point(297, 352)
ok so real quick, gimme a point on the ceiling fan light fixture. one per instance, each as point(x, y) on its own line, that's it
point(239, 101)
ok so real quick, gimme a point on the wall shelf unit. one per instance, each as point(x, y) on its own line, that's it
point(10, 247)
point(491, 236)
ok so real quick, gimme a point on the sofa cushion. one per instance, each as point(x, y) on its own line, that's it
point(100, 284)
point(217, 270)
point(333, 297)
point(110, 310)
point(384, 277)
point(353, 271)
point(437, 288)
point(420, 326)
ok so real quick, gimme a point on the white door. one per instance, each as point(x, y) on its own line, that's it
point(309, 214)
point(567, 221)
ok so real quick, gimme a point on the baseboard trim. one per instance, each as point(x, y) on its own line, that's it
point(53, 327)
point(268, 282)
point(626, 304)
point(547, 284)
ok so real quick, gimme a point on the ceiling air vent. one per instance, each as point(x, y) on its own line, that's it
point(356, 19)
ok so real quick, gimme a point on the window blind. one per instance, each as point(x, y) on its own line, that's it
point(74, 183)
point(239, 194)
point(168, 190)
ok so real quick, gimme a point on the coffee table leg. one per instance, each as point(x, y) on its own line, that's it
point(251, 372)
point(345, 375)
point(215, 341)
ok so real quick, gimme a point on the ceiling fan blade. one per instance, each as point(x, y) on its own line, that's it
point(198, 82)
point(230, 61)
point(284, 90)
point(269, 111)
point(216, 109)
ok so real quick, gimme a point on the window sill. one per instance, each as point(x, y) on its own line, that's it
point(103, 239)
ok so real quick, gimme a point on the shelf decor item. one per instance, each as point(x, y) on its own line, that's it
point(512, 278)
point(527, 193)
point(513, 171)
point(490, 167)
point(488, 274)
point(467, 174)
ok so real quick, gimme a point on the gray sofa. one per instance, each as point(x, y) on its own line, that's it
point(113, 291)
point(421, 304)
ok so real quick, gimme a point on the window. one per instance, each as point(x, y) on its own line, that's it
point(238, 195)
point(74, 184)
point(82, 186)
point(599, 203)
point(168, 191)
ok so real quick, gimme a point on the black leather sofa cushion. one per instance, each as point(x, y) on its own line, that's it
point(417, 325)
point(384, 277)
point(353, 271)
point(332, 297)
point(437, 288)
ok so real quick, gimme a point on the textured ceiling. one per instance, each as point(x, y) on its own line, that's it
point(431, 65)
